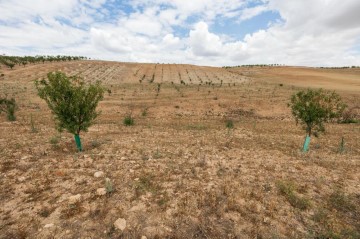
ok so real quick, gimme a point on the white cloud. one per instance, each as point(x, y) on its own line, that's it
point(322, 32)
point(249, 13)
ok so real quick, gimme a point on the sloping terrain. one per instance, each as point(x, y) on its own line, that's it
point(179, 172)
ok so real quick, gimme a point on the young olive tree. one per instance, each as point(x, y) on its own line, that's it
point(313, 108)
point(72, 102)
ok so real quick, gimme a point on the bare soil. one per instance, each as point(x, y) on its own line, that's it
point(179, 172)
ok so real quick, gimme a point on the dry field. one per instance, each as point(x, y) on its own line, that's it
point(179, 172)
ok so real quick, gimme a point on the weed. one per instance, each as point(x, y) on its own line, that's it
point(45, 211)
point(55, 140)
point(145, 184)
point(109, 187)
point(229, 124)
point(128, 120)
point(341, 146)
point(341, 202)
point(95, 143)
point(196, 127)
point(71, 210)
point(144, 112)
point(157, 154)
point(287, 189)
point(32, 125)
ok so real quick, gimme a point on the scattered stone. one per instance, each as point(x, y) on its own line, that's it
point(120, 224)
point(123, 158)
point(24, 157)
point(65, 150)
point(266, 220)
point(132, 170)
point(21, 179)
point(143, 237)
point(49, 225)
point(98, 174)
point(74, 199)
point(101, 191)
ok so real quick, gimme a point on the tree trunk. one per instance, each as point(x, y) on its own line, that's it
point(78, 142)
point(306, 143)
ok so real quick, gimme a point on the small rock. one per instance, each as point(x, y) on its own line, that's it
point(131, 170)
point(120, 224)
point(98, 174)
point(266, 220)
point(123, 158)
point(24, 157)
point(21, 179)
point(143, 237)
point(74, 199)
point(49, 225)
point(101, 191)
point(65, 150)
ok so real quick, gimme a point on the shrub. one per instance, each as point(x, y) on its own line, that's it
point(313, 108)
point(128, 120)
point(287, 189)
point(71, 101)
point(229, 124)
point(9, 107)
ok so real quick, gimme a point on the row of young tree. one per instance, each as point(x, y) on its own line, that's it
point(11, 61)
point(253, 65)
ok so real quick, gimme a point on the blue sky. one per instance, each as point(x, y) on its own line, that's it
point(202, 32)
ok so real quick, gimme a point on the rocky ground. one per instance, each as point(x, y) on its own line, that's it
point(178, 172)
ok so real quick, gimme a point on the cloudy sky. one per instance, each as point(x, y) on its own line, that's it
point(202, 32)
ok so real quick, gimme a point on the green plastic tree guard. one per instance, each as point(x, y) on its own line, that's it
point(306, 143)
point(78, 142)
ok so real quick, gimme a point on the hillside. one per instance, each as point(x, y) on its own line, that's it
point(179, 172)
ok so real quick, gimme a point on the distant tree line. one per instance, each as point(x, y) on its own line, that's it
point(339, 67)
point(11, 61)
point(254, 65)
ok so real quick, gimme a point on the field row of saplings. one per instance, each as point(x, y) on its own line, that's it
point(112, 74)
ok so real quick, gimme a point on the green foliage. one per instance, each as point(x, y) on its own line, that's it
point(287, 189)
point(109, 187)
point(71, 101)
point(315, 107)
point(8, 106)
point(229, 124)
point(128, 120)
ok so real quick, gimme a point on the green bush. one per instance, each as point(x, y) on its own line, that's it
point(9, 107)
point(128, 120)
point(72, 102)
